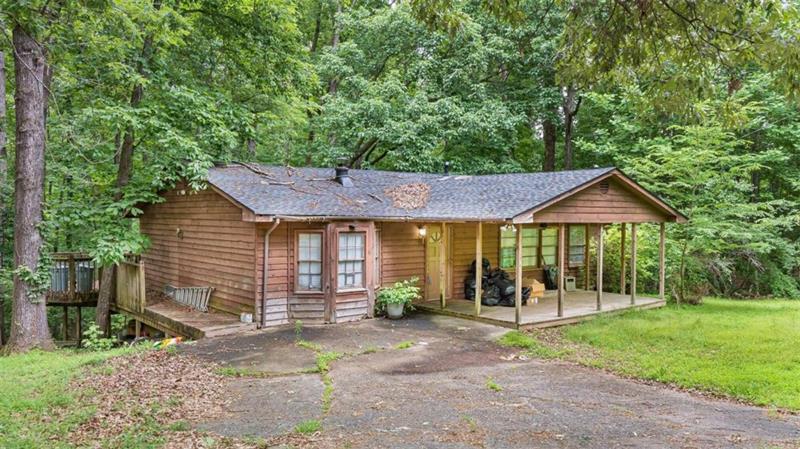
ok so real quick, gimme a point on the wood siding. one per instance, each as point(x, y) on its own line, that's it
point(402, 253)
point(284, 302)
point(199, 239)
point(595, 205)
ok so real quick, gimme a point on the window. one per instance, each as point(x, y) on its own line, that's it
point(577, 244)
point(309, 261)
point(508, 247)
point(351, 259)
point(549, 245)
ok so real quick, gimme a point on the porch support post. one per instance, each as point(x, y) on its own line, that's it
point(78, 326)
point(622, 227)
point(138, 327)
point(600, 267)
point(443, 266)
point(518, 279)
point(586, 266)
point(561, 240)
point(633, 263)
point(661, 261)
point(66, 323)
point(478, 266)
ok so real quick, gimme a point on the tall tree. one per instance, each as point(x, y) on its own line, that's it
point(572, 103)
point(3, 176)
point(125, 167)
point(28, 314)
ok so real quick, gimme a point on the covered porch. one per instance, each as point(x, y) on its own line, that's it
point(581, 306)
point(561, 242)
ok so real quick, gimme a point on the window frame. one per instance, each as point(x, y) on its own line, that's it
point(363, 260)
point(536, 249)
point(542, 263)
point(581, 244)
point(297, 288)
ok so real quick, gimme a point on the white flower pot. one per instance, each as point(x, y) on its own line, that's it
point(395, 311)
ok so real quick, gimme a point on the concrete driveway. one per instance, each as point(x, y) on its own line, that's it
point(455, 388)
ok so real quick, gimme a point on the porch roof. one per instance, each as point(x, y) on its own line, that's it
point(314, 193)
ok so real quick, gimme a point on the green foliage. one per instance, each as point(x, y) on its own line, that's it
point(719, 346)
point(94, 339)
point(492, 385)
point(308, 427)
point(404, 344)
point(402, 292)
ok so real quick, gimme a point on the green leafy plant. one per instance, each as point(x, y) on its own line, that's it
point(298, 330)
point(492, 385)
point(94, 340)
point(403, 292)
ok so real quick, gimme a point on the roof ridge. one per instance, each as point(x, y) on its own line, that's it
point(264, 165)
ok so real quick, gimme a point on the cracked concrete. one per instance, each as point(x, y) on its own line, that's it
point(434, 394)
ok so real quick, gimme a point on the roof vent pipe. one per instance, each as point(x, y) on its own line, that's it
point(343, 175)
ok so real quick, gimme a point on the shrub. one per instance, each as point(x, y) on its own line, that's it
point(94, 340)
point(403, 292)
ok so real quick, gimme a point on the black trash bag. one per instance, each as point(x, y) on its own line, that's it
point(550, 275)
point(490, 295)
point(486, 267)
point(506, 286)
point(469, 288)
point(511, 300)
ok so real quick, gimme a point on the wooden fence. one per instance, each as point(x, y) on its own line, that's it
point(130, 286)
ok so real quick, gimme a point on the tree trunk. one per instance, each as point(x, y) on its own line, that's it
point(28, 313)
point(571, 105)
point(549, 137)
point(334, 83)
point(124, 171)
point(3, 176)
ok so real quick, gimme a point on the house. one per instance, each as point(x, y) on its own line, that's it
point(285, 243)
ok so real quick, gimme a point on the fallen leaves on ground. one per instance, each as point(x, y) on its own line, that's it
point(148, 390)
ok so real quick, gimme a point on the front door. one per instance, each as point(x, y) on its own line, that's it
point(434, 244)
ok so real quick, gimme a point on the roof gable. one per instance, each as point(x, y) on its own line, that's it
point(605, 200)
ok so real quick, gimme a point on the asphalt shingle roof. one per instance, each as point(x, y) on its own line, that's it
point(313, 192)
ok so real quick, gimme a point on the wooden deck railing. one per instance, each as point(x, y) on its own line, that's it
point(74, 279)
point(130, 287)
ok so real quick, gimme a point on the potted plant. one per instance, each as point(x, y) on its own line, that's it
point(395, 299)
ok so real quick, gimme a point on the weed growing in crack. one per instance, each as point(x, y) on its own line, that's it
point(404, 344)
point(308, 427)
point(492, 385)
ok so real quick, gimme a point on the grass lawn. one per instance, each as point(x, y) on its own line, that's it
point(746, 349)
point(33, 388)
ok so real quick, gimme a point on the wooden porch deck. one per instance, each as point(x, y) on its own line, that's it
point(182, 320)
point(579, 305)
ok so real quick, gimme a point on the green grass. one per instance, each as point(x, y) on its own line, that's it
point(517, 339)
point(307, 427)
point(309, 345)
point(404, 344)
point(746, 349)
point(34, 386)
